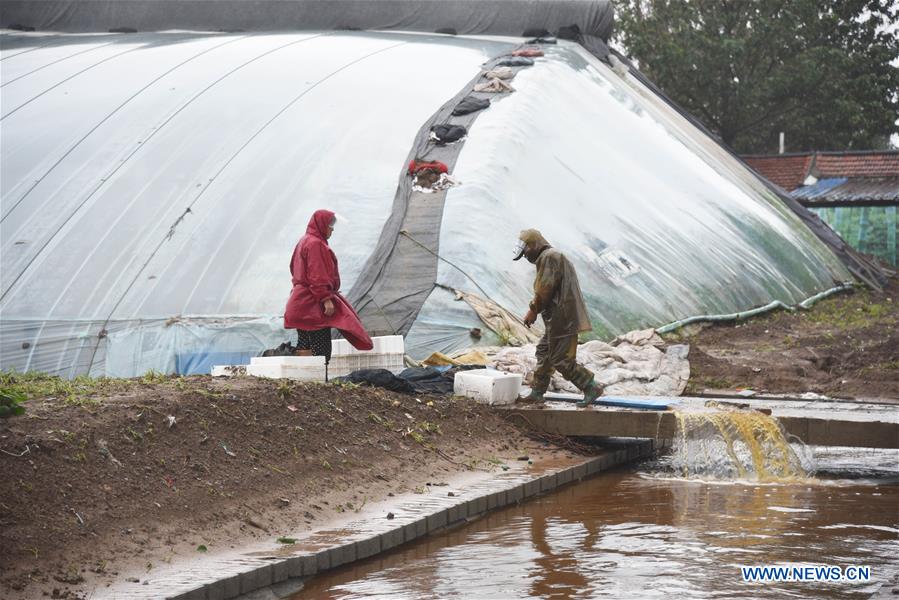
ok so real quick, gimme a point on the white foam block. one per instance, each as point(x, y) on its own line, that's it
point(305, 368)
point(346, 364)
point(293, 361)
point(384, 344)
point(488, 386)
point(389, 344)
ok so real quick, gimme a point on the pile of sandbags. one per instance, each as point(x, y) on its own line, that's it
point(638, 363)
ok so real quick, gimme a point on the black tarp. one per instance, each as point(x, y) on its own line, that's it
point(465, 17)
point(415, 380)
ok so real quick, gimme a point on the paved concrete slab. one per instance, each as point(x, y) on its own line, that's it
point(816, 423)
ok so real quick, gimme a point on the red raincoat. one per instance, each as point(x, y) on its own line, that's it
point(313, 270)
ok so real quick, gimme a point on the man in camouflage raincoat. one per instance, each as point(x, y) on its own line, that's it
point(558, 299)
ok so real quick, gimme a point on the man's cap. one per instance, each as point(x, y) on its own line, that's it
point(528, 236)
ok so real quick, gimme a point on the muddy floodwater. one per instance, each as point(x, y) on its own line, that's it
point(639, 533)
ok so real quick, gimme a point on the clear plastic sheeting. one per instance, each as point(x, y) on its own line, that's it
point(439, 327)
point(153, 186)
point(156, 175)
point(189, 346)
point(869, 229)
point(660, 222)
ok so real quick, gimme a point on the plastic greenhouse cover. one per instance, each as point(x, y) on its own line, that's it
point(660, 221)
point(592, 18)
point(171, 174)
point(870, 229)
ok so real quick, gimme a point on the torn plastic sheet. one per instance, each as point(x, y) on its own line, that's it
point(444, 182)
point(444, 324)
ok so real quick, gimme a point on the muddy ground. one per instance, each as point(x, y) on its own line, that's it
point(846, 346)
point(104, 477)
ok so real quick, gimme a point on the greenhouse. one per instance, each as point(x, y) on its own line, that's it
point(855, 192)
point(155, 183)
point(870, 229)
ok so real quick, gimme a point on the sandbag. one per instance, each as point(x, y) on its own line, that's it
point(637, 363)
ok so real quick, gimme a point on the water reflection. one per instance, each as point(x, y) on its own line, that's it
point(633, 535)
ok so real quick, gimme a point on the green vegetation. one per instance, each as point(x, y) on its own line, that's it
point(346, 385)
point(80, 391)
point(890, 365)
point(11, 403)
point(429, 427)
point(87, 392)
point(864, 309)
point(818, 70)
point(284, 389)
point(153, 376)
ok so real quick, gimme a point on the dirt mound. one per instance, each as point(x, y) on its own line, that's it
point(845, 346)
point(100, 471)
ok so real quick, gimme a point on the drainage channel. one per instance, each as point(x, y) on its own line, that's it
point(646, 531)
point(276, 573)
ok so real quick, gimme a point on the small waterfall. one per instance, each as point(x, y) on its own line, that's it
point(735, 444)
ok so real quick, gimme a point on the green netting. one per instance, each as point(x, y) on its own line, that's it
point(870, 229)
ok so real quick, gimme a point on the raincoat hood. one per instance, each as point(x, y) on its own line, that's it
point(319, 223)
point(536, 239)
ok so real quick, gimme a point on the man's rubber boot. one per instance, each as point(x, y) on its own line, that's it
point(591, 393)
point(534, 397)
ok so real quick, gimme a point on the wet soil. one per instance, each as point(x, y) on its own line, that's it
point(102, 479)
point(846, 346)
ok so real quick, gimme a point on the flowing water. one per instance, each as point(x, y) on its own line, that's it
point(732, 493)
point(736, 444)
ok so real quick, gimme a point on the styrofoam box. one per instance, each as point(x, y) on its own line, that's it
point(387, 353)
point(306, 368)
point(384, 344)
point(344, 365)
point(488, 386)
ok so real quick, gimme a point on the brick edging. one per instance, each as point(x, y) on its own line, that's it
point(414, 520)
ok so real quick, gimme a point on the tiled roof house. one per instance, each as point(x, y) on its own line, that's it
point(856, 193)
point(869, 178)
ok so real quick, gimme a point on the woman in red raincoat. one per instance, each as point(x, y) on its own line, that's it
point(315, 304)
